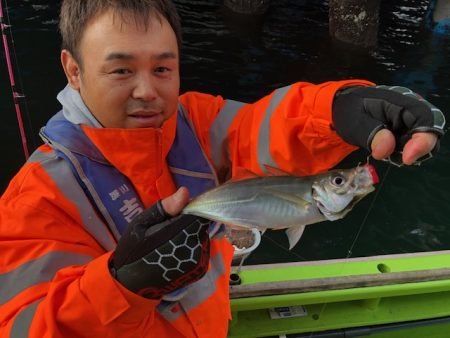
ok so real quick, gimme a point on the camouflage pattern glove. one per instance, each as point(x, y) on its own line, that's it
point(360, 112)
point(158, 253)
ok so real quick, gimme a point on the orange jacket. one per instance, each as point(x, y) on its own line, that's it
point(54, 279)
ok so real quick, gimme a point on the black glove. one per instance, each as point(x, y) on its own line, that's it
point(158, 254)
point(360, 112)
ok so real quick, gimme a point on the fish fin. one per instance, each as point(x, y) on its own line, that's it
point(293, 234)
point(241, 173)
point(272, 171)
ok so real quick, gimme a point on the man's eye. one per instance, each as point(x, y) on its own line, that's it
point(121, 71)
point(161, 69)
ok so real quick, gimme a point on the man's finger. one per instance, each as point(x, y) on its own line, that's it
point(419, 145)
point(383, 144)
point(176, 202)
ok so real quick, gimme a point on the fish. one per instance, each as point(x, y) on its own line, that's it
point(285, 202)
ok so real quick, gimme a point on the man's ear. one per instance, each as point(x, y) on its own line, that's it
point(71, 68)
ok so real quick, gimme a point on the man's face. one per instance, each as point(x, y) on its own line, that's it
point(130, 75)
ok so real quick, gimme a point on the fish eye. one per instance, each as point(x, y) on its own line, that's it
point(338, 181)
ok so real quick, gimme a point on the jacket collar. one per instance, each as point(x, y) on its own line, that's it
point(139, 153)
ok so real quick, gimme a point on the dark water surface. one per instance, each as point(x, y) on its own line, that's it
point(409, 211)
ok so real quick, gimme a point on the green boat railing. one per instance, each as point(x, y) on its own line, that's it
point(324, 296)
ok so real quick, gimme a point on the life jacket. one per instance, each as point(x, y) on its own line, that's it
point(99, 179)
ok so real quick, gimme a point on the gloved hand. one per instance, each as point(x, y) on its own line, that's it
point(158, 253)
point(359, 113)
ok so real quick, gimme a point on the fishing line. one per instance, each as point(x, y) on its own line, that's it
point(284, 248)
point(350, 251)
point(363, 223)
point(16, 95)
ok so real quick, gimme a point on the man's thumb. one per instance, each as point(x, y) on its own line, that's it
point(176, 202)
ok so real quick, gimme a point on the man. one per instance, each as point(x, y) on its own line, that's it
point(91, 237)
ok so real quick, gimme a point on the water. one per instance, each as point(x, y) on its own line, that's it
point(409, 210)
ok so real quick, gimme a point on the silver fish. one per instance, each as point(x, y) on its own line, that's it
point(285, 202)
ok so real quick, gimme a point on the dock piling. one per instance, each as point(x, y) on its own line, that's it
point(354, 21)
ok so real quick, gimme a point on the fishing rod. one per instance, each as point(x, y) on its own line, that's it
point(16, 95)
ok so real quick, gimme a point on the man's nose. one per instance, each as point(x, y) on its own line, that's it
point(145, 88)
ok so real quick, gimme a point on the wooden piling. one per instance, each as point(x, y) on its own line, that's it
point(354, 21)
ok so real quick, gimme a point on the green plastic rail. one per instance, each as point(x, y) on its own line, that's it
point(351, 307)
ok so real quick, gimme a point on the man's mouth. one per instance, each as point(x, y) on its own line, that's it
point(145, 119)
point(144, 114)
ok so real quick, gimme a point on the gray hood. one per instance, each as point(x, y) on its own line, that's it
point(74, 109)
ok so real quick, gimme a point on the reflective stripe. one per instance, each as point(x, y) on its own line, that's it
point(219, 131)
point(22, 322)
point(190, 173)
point(37, 271)
point(61, 173)
point(197, 292)
point(264, 155)
point(89, 186)
point(39, 156)
point(438, 116)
